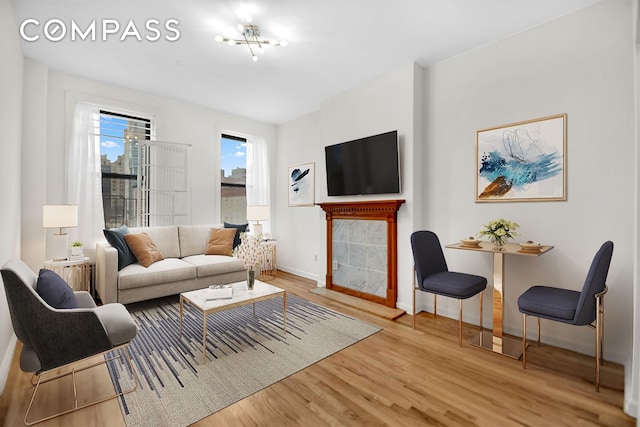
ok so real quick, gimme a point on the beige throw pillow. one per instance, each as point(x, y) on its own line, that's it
point(220, 241)
point(143, 248)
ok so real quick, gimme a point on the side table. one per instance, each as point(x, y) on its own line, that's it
point(269, 263)
point(76, 272)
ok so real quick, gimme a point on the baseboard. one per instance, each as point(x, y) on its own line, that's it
point(7, 358)
point(301, 273)
point(631, 408)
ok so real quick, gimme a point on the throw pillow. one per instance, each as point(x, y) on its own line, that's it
point(55, 291)
point(220, 241)
point(240, 228)
point(115, 237)
point(143, 248)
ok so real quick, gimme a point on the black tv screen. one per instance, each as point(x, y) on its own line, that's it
point(364, 166)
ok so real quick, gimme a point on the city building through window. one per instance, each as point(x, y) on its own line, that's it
point(233, 179)
point(119, 137)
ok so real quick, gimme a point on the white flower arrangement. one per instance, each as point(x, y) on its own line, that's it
point(251, 251)
point(499, 230)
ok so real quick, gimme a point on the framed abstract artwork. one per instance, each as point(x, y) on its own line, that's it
point(523, 162)
point(302, 185)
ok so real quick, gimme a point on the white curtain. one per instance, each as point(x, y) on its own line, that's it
point(258, 172)
point(84, 177)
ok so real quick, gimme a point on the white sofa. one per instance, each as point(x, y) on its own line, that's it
point(184, 267)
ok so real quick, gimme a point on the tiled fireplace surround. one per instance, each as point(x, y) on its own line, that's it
point(362, 249)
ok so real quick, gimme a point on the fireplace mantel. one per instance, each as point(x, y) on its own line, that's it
point(377, 210)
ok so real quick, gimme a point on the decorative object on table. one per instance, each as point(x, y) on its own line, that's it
point(302, 185)
point(499, 230)
point(524, 161)
point(252, 253)
point(60, 217)
point(529, 247)
point(258, 213)
point(76, 250)
point(470, 242)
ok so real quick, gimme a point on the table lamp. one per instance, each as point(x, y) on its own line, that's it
point(59, 216)
point(258, 213)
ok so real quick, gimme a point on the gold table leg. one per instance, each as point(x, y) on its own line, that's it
point(496, 341)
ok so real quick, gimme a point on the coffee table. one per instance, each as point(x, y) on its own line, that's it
point(241, 296)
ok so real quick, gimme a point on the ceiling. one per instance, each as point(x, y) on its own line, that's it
point(333, 44)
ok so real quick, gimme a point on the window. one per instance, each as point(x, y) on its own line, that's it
point(233, 179)
point(119, 136)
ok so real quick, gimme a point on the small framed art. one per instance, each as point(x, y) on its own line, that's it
point(301, 185)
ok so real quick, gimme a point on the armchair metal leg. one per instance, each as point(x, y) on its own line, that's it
point(524, 341)
point(124, 348)
point(599, 327)
point(414, 297)
point(435, 305)
point(460, 323)
point(481, 296)
point(599, 338)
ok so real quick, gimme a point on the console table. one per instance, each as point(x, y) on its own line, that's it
point(495, 340)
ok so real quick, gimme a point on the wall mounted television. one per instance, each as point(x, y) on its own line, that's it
point(364, 166)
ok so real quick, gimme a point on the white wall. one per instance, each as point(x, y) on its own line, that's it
point(581, 65)
point(386, 103)
point(175, 121)
point(10, 183)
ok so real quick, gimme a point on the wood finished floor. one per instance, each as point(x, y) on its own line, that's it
point(397, 377)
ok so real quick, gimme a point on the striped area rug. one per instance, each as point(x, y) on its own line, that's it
point(245, 353)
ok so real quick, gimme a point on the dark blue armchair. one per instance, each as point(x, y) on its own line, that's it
point(584, 308)
point(433, 276)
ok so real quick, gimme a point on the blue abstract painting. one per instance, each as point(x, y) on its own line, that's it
point(523, 161)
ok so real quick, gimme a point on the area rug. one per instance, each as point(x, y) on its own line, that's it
point(245, 353)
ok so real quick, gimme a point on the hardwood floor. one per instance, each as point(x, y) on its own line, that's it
point(397, 377)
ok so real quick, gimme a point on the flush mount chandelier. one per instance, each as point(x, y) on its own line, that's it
point(251, 37)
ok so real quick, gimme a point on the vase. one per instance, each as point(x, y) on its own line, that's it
point(251, 279)
point(497, 241)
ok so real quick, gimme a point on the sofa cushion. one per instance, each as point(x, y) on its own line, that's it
point(143, 248)
point(220, 241)
point(165, 271)
point(194, 238)
point(115, 237)
point(164, 237)
point(55, 291)
point(211, 265)
point(240, 228)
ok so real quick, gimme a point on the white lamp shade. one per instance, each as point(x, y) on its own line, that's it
point(258, 213)
point(59, 216)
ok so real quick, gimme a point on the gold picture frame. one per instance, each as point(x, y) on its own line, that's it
point(522, 162)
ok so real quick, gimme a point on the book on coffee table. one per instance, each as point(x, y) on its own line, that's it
point(219, 292)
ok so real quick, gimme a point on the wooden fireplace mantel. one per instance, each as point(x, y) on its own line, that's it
point(378, 210)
